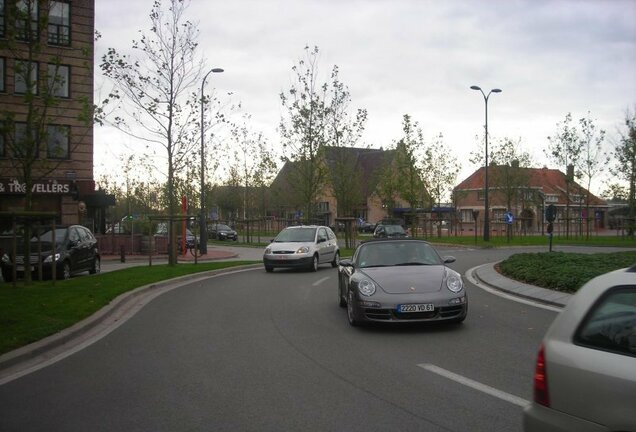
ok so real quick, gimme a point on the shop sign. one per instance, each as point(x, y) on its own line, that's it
point(51, 187)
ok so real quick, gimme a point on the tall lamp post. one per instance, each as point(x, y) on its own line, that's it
point(203, 229)
point(486, 207)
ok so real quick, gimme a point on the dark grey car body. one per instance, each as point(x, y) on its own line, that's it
point(410, 280)
point(76, 251)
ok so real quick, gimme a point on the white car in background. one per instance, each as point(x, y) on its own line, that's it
point(585, 378)
point(302, 246)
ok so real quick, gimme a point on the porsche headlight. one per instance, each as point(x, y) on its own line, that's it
point(5, 258)
point(302, 250)
point(454, 283)
point(366, 287)
point(49, 258)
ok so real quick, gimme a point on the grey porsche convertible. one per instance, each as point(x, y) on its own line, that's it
point(400, 280)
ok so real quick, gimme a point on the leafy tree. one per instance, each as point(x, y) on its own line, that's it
point(565, 149)
point(593, 159)
point(625, 168)
point(343, 133)
point(156, 91)
point(408, 151)
point(302, 129)
point(439, 170)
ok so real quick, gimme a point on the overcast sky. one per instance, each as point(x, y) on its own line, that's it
point(417, 57)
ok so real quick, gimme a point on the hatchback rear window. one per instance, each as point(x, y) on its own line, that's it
point(611, 323)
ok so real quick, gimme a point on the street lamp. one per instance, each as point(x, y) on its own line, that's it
point(486, 208)
point(203, 229)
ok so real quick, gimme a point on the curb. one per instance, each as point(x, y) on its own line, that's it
point(487, 275)
point(120, 303)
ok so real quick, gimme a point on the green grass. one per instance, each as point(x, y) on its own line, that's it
point(30, 313)
point(563, 271)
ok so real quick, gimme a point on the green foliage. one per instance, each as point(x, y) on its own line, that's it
point(562, 271)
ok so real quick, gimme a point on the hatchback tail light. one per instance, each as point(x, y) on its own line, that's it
point(541, 380)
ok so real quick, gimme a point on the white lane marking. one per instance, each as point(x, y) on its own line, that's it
point(319, 281)
point(469, 275)
point(475, 385)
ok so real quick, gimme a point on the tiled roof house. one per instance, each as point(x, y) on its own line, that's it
point(367, 165)
point(543, 187)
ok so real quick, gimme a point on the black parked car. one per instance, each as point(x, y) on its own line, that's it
point(389, 231)
point(222, 232)
point(75, 251)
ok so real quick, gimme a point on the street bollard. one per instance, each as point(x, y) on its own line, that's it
point(122, 253)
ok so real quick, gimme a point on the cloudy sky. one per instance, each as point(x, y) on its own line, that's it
point(418, 57)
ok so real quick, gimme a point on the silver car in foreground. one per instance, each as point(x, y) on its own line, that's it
point(585, 378)
point(302, 246)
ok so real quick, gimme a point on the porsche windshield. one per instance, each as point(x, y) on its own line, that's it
point(296, 235)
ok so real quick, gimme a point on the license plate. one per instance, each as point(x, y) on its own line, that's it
point(421, 307)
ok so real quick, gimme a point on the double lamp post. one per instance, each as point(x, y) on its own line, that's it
point(203, 228)
point(486, 207)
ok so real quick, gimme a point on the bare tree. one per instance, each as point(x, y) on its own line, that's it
point(302, 128)
point(625, 168)
point(156, 91)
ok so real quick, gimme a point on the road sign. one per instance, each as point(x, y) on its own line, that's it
point(550, 213)
point(509, 218)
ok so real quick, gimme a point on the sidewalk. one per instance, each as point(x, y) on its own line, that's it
point(212, 255)
point(492, 278)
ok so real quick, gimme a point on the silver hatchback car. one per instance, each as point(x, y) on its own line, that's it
point(585, 377)
point(303, 246)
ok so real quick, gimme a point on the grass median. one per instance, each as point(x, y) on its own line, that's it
point(33, 312)
point(562, 271)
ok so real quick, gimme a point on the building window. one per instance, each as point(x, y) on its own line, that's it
point(58, 80)
point(57, 142)
point(23, 140)
point(323, 207)
point(2, 16)
point(2, 73)
point(26, 20)
point(26, 76)
point(3, 148)
point(498, 215)
point(59, 27)
point(551, 198)
point(467, 215)
point(480, 195)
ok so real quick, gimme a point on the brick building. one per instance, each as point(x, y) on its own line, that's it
point(46, 100)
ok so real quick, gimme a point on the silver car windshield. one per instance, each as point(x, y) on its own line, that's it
point(382, 254)
point(296, 235)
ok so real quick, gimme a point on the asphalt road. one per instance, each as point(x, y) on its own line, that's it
point(252, 351)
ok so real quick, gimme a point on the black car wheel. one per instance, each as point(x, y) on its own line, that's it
point(336, 260)
point(66, 271)
point(351, 315)
point(96, 266)
point(314, 263)
point(7, 274)
point(341, 300)
point(269, 269)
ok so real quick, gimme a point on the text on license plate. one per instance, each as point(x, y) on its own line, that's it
point(421, 307)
